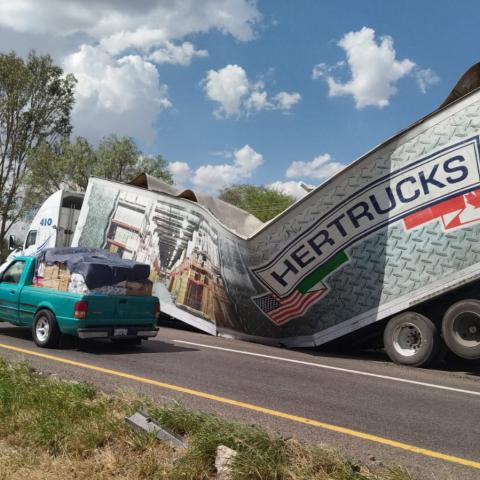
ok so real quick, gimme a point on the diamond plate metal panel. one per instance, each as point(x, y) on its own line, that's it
point(391, 262)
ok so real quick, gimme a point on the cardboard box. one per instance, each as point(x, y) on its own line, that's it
point(56, 284)
point(55, 271)
point(139, 288)
point(50, 271)
point(56, 277)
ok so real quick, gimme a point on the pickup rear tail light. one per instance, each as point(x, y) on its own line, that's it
point(157, 310)
point(80, 310)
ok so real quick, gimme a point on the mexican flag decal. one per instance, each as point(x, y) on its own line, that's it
point(453, 213)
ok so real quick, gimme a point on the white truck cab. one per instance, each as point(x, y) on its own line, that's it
point(53, 224)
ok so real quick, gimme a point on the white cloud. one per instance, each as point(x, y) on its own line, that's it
point(322, 69)
point(122, 24)
point(374, 69)
point(227, 86)
point(289, 188)
point(115, 46)
point(214, 177)
point(257, 101)
point(121, 95)
point(211, 178)
point(237, 95)
point(181, 173)
point(176, 54)
point(247, 160)
point(142, 38)
point(425, 77)
point(285, 100)
point(321, 167)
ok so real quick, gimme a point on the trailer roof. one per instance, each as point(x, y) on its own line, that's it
point(467, 83)
point(232, 217)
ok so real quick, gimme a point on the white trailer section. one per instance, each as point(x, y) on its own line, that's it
point(54, 223)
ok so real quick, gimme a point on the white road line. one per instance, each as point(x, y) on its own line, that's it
point(337, 369)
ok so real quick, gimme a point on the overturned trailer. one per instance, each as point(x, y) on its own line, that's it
point(388, 245)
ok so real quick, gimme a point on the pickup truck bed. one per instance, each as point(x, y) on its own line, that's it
point(52, 312)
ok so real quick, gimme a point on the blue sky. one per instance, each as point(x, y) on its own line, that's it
point(233, 91)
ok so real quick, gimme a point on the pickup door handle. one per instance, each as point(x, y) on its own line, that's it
point(13, 292)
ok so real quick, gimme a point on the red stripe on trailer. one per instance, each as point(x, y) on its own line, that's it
point(436, 211)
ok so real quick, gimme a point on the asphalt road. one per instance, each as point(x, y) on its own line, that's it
point(371, 409)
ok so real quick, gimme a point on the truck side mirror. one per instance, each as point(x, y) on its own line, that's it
point(11, 242)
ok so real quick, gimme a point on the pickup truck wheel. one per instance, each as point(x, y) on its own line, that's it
point(411, 339)
point(45, 329)
point(461, 328)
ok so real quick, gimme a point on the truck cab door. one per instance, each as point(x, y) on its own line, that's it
point(10, 288)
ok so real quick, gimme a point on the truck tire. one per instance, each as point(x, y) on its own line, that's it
point(461, 328)
point(45, 329)
point(411, 339)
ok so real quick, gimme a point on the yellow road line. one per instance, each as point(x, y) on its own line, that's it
point(254, 408)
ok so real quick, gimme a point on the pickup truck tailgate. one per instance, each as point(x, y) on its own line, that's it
point(128, 310)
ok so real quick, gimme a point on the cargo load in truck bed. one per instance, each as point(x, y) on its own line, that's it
point(91, 270)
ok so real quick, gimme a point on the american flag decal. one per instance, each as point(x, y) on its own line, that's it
point(280, 310)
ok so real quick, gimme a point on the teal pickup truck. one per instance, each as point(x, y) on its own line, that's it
point(50, 313)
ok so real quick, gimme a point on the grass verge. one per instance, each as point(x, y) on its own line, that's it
point(55, 429)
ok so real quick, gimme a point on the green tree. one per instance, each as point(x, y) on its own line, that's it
point(119, 159)
point(263, 202)
point(62, 165)
point(156, 166)
point(116, 158)
point(70, 164)
point(36, 100)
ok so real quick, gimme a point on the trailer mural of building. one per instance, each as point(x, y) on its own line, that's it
point(178, 243)
point(195, 281)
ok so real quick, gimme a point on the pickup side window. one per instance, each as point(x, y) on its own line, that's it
point(13, 273)
point(31, 238)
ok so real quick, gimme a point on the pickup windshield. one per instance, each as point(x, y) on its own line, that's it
point(13, 273)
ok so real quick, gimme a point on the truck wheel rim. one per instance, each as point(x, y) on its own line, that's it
point(42, 329)
point(466, 329)
point(407, 339)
